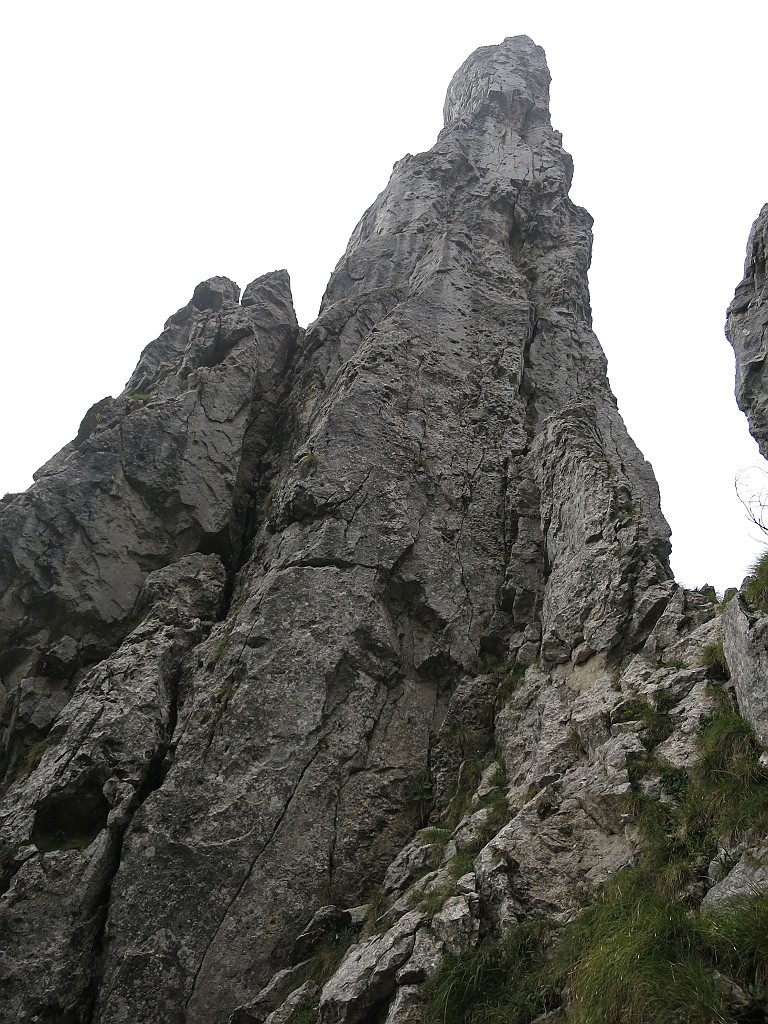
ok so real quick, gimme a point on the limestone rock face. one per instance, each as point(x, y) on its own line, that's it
point(163, 470)
point(426, 493)
point(61, 833)
point(747, 331)
point(745, 639)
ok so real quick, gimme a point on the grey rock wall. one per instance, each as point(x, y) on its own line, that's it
point(745, 628)
point(164, 470)
point(747, 331)
point(428, 489)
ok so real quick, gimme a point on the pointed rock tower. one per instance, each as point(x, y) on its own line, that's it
point(256, 616)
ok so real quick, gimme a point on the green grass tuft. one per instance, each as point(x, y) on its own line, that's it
point(307, 463)
point(657, 724)
point(641, 953)
point(713, 657)
point(419, 796)
point(756, 590)
point(635, 957)
point(218, 648)
point(738, 934)
point(307, 1013)
point(510, 681)
point(723, 794)
point(328, 954)
point(460, 804)
point(501, 981)
point(33, 757)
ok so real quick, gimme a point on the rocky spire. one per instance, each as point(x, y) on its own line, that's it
point(284, 572)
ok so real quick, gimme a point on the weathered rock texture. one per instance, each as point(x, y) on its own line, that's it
point(164, 470)
point(747, 331)
point(266, 614)
point(745, 628)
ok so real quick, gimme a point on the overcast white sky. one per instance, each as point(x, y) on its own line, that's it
point(153, 144)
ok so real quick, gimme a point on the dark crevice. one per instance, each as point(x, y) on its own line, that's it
point(157, 770)
point(263, 455)
point(70, 819)
point(91, 991)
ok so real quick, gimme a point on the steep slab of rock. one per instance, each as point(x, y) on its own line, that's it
point(747, 331)
point(745, 639)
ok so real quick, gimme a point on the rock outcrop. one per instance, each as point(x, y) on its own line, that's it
point(345, 641)
point(164, 470)
point(745, 626)
point(747, 331)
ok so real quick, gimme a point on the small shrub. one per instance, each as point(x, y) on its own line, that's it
point(674, 781)
point(419, 795)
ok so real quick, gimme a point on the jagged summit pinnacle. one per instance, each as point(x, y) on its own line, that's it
point(510, 80)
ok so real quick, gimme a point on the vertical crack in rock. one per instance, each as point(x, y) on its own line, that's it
point(62, 830)
point(248, 874)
